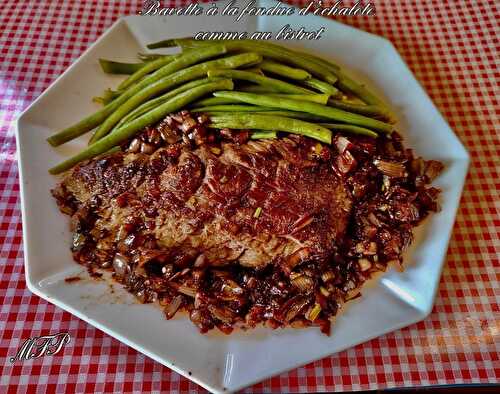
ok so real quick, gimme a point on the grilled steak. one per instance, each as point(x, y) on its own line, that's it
point(264, 202)
point(240, 232)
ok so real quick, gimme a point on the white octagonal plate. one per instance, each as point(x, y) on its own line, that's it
point(217, 362)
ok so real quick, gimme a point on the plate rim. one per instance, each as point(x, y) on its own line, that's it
point(35, 289)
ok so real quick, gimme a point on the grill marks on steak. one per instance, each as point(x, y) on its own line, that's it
point(202, 203)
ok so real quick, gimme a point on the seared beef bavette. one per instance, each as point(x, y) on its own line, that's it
point(201, 203)
point(238, 232)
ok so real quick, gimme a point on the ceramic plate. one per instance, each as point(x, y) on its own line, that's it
point(217, 362)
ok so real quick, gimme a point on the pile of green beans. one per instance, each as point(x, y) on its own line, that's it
point(321, 68)
point(90, 122)
point(151, 117)
point(239, 84)
point(151, 104)
point(112, 67)
point(263, 134)
point(183, 75)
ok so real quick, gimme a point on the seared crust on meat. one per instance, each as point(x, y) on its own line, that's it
point(202, 203)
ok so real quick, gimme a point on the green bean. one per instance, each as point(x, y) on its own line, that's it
point(275, 52)
point(142, 109)
point(288, 114)
point(316, 98)
point(231, 108)
point(174, 104)
point(333, 126)
point(305, 106)
point(169, 43)
point(294, 114)
point(254, 70)
point(83, 125)
point(258, 89)
point(284, 71)
point(264, 134)
point(147, 57)
point(272, 123)
point(322, 61)
point(349, 129)
point(149, 68)
point(98, 117)
point(347, 84)
point(368, 110)
point(321, 86)
point(161, 85)
point(114, 149)
point(260, 80)
point(112, 67)
point(214, 101)
point(149, 105)
point(107, 96)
